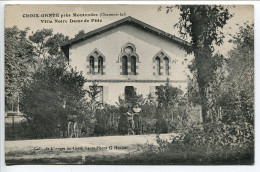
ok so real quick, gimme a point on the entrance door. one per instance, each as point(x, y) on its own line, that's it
point(129, 91)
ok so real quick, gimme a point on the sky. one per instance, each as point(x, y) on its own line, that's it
point(16, 15)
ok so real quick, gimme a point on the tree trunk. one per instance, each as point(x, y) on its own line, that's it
point(204, 76)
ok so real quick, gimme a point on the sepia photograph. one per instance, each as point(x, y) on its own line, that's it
point(129, 84)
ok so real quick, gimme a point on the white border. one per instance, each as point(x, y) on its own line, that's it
point(65, 168)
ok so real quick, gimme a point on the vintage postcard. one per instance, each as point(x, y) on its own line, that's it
point(129, 84)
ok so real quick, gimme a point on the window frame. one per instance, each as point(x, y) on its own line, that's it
point(91, 65)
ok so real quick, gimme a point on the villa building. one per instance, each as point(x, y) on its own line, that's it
point(128, 54)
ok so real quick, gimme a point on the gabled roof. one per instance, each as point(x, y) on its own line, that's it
point(130, 21)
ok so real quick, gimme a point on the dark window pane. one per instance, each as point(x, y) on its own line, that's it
point(100, 65)
point(166, 61)
point(124, 65)
point(91, 65)
point(158, 65)
point(133, 65)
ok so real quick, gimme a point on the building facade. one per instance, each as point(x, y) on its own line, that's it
point(128, 54)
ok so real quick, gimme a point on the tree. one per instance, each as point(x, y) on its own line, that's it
point(39, 38)
point(55, 91)
point(51, 96)
point(202, 23)
point(41, 104)
point(168, 95)
point(19, 54)
point(93, 94)
point(168, 98)
point(238, 86)
point(47, 47)
point(80, 34)
point(230, 98)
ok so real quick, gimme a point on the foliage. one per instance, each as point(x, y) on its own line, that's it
point(107, 120)
point(54, 42)
point(238, 88)
point(95, 118)
point(24, 56)
point(80, 34)
point(18, 61)
point(46, 46)
point(51, 96)
point(203, 24)
point(168, 98)
point(40, 102)
point(161, 113)
point(131, 99)
point(54, 91)
point(93, 94)
point(101, 124)
point(15, 131)
point(148, 114)
point(104, 119)
point(39, 38)
point(167, 95)
point(231, 103)
point(193, 91)
point(229, 137)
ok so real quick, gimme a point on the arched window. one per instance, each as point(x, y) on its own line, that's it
point(100, 65)
point(96, 60)
point(161, 61)
point(158, 65)
point(133, 65)
point(91, 65)
point(166, 62)
point(124, 65)
point(129, 58)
